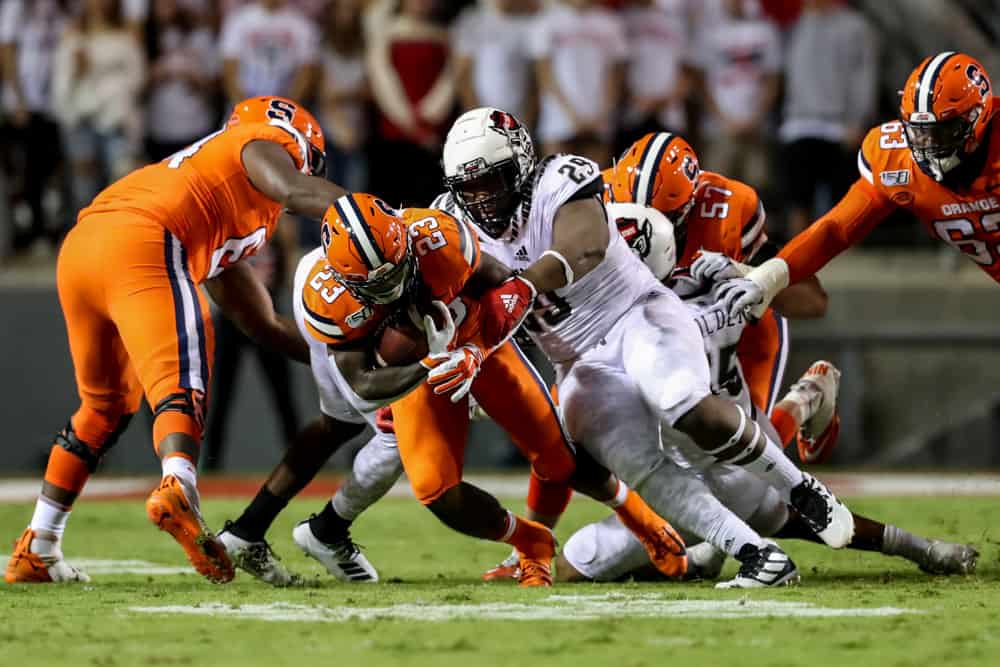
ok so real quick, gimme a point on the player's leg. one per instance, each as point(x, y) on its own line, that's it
point(230, 343)
point(431, 432)
point(109, 395)
point(605, 412)
point(165, 324)
point(664, 352)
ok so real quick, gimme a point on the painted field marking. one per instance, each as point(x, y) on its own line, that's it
point(552, 608)
point(103, 566)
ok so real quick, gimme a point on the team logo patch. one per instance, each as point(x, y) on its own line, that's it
point(894, 178)
point(637, 233)
point(690, 168)
point(325, 236)
point(504, 121)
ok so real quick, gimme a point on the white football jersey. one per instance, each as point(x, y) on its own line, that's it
point(721, 335)
point(568, 321)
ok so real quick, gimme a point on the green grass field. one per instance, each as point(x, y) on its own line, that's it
point(430, 574)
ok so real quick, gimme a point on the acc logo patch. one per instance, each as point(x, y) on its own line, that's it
point(893, 178)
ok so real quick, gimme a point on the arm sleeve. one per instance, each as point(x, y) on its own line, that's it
point(852, 219)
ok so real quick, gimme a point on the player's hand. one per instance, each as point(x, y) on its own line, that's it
point(741, 296)
point(457, 372)
point(504, 309)
point(710, 266)
point(439, 338)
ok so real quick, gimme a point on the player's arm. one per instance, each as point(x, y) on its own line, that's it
point(845, 224)
point(490, 273)
point(802, 301)
point(272, 171)
point(375, 385)
point(245, 301)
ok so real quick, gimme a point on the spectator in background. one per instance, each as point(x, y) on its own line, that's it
point(409, 62)
point(135, 13)
point(830, 98)
point(491, 57)
point(580, 50)
point(657, 80)
point(343, 95)
point(739, 62)
point(269, 48)
point(183, 78)
point(29, 33)
point(98, 76)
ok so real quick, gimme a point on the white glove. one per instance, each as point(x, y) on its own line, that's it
point(438, 340)
point(754, 293)
point(712, 267)
point(457, 372)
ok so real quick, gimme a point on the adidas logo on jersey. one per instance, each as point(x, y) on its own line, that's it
point(522, 255)
point(509, 302)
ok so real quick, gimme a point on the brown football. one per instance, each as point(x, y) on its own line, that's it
point(401, 345)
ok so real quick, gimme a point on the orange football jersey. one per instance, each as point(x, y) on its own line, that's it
point(204, 197)
point(447, 253)
point(969, 220)
point(727, 217)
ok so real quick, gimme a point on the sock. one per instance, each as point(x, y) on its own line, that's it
point(49, 523)
point(532, 540)
point(621, 495)
point(182, 468)
point(547, 498)
point(328, 526)
point(898, 542)
point(785, 424)
point(257, 518)
point(730, 533)
point(376, 468)
point(751, 448)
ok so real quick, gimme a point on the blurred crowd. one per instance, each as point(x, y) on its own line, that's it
point(773, 92)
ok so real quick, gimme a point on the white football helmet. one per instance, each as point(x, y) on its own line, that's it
point(488, 157)
point(649, 233)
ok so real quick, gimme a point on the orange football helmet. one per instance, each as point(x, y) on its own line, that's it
point(660, 170)
point(946, 105)
point(368, 249)
point(294, 119)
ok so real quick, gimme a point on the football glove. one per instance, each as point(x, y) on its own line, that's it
point(755, 292)
point(439, 339)
point(456, 372)
point(505, 308)
point(710, 267)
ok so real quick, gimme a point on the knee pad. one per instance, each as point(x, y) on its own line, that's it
point(180, 412)
point(101, 429)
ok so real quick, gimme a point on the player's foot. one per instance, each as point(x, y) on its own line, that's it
point(509, 568)
point(762, 567)
point(342, 558)
point(817, 391)
point(536, 557)
point(666, 550)
point(704, 562)
point(169, 508)
point(949, 558)
point(823, 513)
point(256, 558)
point(28, 567)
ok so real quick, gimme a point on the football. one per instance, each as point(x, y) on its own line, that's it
point(400, 345)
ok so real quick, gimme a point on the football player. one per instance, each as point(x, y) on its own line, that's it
point(603, 552)
point(627, 354)
point(128, 276)
point(718, 221)
point(380, 265)
point(940, 161)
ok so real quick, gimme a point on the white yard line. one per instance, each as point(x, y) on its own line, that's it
point(552, 608)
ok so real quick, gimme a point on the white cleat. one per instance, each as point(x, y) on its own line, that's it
point(763, 567)
point(256, 558)
point(343, 559)
point(823, 513)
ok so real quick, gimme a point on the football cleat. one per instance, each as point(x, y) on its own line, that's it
point(704, 561)
point(666, 550)
point(949, 558)
point(823, 513)
point(536, 562)
point(256, 558)
point(169, 508)
point(343, 558)
point(509, 568)
point(762, 567)
point(818, 388)
point(28, 567)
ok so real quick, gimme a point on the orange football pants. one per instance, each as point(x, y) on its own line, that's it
point(763, 352)
point(136, 323)
point(432, 431)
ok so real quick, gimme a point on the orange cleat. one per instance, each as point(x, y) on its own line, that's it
point(508, 569)
point(536, 559)
point(28, 567)
point(818, 450)
point(168, 507)
point(664, 546)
